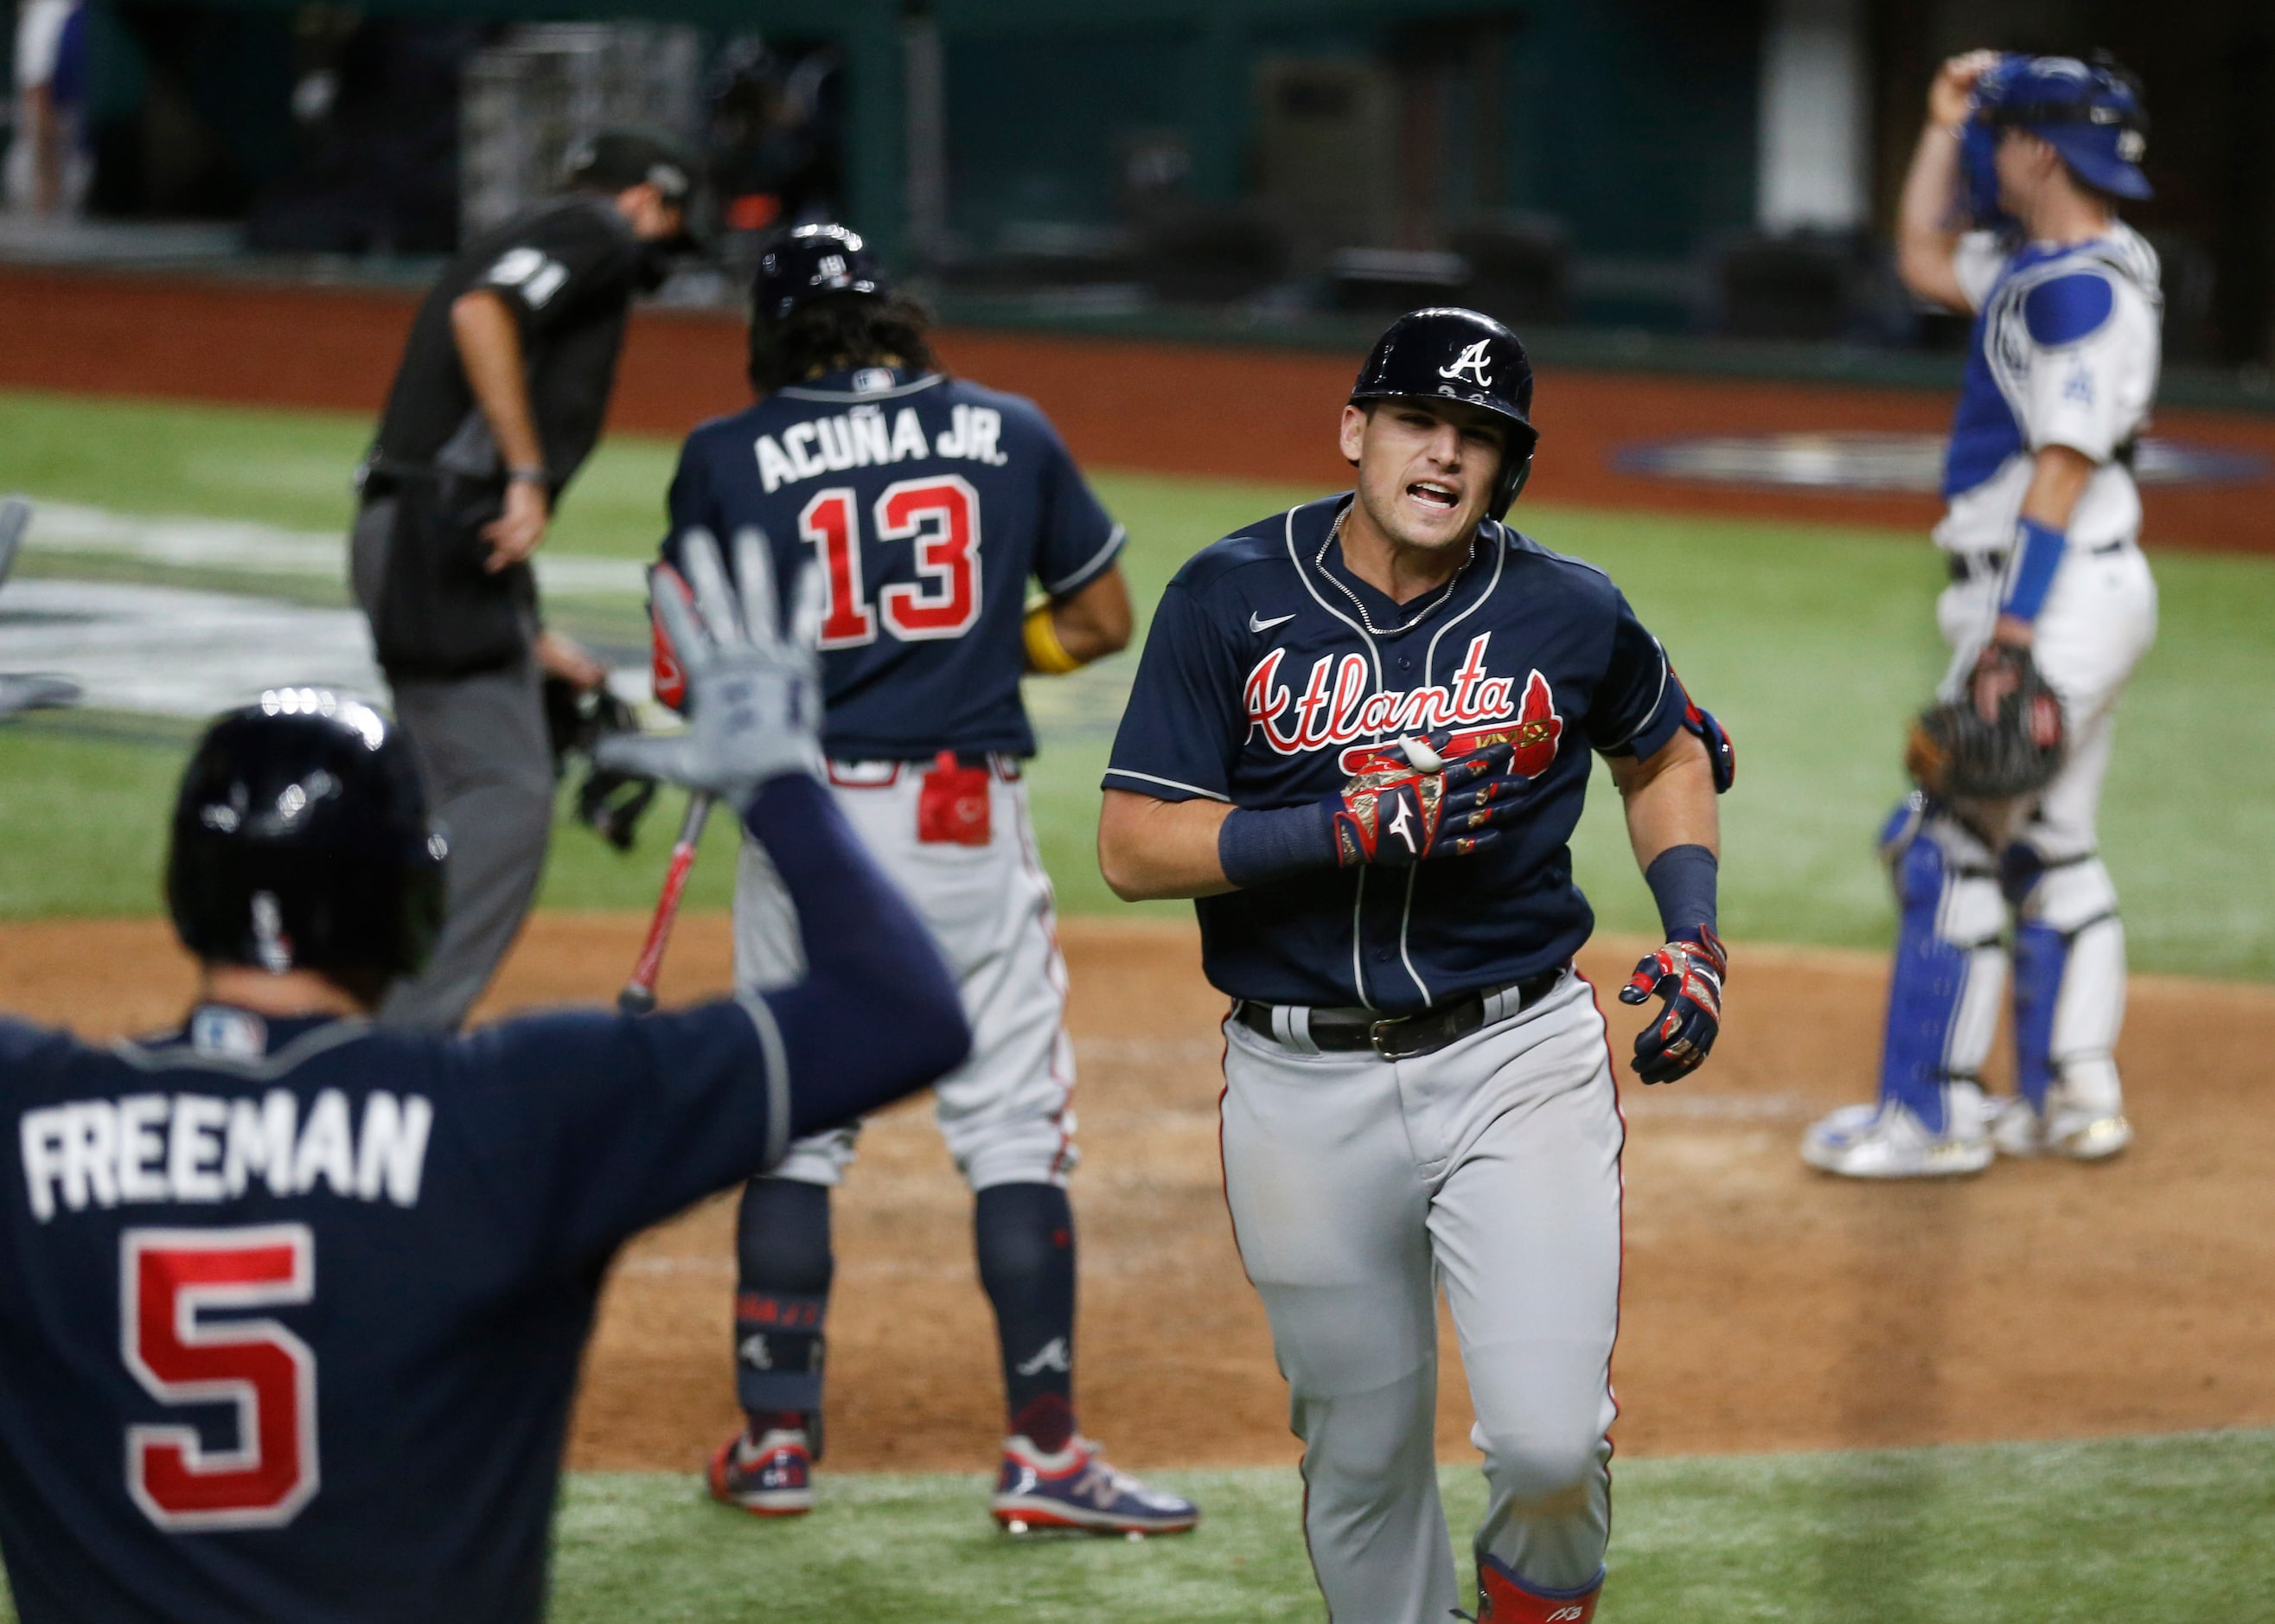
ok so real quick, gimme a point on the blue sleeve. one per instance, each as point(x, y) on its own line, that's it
point(615, 1123)
point(1079, 540)
point(1638, 704)
point(1183, 724)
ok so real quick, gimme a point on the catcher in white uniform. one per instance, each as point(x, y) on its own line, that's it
point(2041, 534)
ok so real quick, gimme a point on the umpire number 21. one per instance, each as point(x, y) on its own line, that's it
point(939, 515)
point(170, 1280)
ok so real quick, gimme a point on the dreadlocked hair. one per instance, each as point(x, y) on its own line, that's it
point(836, 331)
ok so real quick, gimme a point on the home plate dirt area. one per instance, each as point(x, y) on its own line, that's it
point(1764, 1307)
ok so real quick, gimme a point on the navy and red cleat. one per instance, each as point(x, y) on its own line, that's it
point(1076, 1489)
point(769, 1476)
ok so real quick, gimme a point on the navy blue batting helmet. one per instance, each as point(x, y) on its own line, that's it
point(1444, 353)
point(810, 263)
point(301, 842)
point(2091, 113)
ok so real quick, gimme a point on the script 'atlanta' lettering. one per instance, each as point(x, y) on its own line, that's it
point(1336, 709)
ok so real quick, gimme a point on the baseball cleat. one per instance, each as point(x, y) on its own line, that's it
point(1888, 1140)
point(2063, 1129)
point(771, 1476)
point(1076, 1489)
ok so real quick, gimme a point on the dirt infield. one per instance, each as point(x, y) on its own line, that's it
point(1764, 1307)
point(1165, 408)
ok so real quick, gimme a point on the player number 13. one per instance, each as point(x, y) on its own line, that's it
point(939, 515)
point(171, 1281)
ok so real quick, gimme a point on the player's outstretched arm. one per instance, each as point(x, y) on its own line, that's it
point(1674, 827)
point(876, 1016)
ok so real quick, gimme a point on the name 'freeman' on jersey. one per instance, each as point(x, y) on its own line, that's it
point(156, 1148)
point(864, 438)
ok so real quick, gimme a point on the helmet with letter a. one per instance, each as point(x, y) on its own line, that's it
point(810, 264)
point(301, 842)
point(2088, 112)
point(1444, 353)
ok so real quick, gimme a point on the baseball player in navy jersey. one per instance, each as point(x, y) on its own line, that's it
point(929, 503)
point(2041, 537)
point(1361, 736)
point(290, 1304)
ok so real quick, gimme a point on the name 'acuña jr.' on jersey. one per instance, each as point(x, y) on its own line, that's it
point(1271, 668)
point(2065, 352)
point(918, 495)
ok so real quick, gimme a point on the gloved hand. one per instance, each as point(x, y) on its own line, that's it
point(30, 693)
point(1688, 973)
point(753, 695)
point(1408, 803)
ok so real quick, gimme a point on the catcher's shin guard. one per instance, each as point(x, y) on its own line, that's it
point(1504, 1598)
point(2069, 985)
point(1950, 964)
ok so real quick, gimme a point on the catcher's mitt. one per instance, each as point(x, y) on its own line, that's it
point(2001, 738)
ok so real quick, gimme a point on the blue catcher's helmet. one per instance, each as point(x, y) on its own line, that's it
point(2091, 113)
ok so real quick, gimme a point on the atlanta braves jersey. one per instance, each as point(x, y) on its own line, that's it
point(1270, 669)
point(291, 1310)
point(930, 504)
point(2065, 352)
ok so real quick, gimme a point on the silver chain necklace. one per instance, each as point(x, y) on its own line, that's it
point(1334, 534)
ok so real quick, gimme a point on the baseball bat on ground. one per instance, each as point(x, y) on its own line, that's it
point(638, 996)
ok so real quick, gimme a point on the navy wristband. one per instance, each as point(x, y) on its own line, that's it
point(1257, 848)
point(2039, 551)
point(1682, 880)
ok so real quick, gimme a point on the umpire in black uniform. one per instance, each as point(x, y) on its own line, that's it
point(497, 402)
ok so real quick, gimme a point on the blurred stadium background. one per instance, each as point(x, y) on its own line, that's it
point(1176, 224)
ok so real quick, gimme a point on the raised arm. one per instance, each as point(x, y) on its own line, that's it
point(1928, 228)
point(876, 1015)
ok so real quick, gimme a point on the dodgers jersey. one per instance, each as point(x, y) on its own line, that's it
point(291, 1310)
point(2064, 351)
point(1270, 668)
point(929, 502)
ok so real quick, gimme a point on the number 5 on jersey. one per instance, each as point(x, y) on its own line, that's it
point(170, 1280)
point(939, 515)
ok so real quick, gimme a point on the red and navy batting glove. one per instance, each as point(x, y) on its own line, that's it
point(1688, 973)
point(1394, 812)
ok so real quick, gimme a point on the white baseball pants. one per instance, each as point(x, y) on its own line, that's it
point(1358, 1187)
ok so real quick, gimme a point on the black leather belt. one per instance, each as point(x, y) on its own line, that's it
point(1400, 1036)
point(1966, 567)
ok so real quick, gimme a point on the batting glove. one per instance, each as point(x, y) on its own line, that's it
point(754, 694)
point(1688, 973)
point(1397, 812)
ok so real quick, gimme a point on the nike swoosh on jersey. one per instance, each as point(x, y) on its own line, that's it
point(1260, 626)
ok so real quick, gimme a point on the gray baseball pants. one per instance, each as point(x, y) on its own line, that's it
point(1360, 1187)
point(488, 765)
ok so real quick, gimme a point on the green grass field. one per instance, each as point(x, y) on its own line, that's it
point(1812, 641)
point(2017, 1534)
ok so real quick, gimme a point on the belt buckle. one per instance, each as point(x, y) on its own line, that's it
point(1382, 1029)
